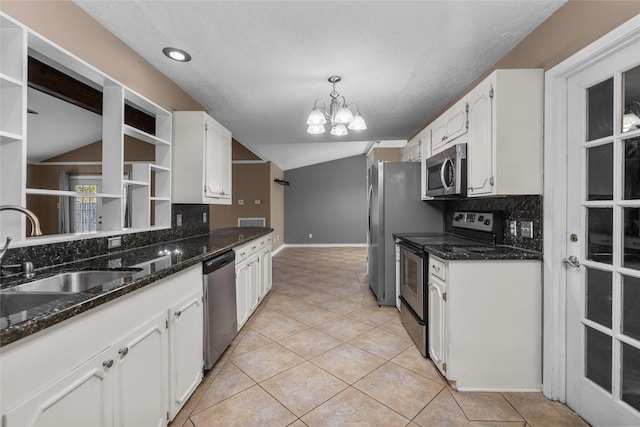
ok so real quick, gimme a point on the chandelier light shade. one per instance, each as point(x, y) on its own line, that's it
point(338, 116)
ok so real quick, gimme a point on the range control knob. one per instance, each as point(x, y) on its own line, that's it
point(480, 218)
point(458, 217)
point(487, 221)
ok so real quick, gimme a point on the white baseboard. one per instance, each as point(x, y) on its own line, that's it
point(325, 245)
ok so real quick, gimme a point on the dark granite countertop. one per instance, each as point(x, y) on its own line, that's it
point(156, 262)
point(470, 250)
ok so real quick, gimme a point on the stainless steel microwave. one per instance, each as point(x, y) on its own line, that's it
point(447, 172)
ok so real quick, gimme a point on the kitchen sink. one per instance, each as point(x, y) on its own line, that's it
point(72, 282)
point(14, 302)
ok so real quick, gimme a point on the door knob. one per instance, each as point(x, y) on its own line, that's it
point(572, 261)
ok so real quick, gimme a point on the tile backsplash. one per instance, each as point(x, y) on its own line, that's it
point(65, 252)
point(512, 208)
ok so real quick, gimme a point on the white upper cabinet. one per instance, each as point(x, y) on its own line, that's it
point(202, 162)
point(449, 126)
point(411, 151)
point(505, 150)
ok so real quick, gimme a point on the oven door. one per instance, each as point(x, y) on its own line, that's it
point(412, 263)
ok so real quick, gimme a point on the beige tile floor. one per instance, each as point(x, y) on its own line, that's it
point(318, 351)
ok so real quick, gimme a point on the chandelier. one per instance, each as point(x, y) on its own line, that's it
point(339, 114)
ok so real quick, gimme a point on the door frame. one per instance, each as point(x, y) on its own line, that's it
point(555, 200)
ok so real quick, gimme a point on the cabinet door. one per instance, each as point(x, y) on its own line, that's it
point(266, 271)
point(480, 146)
point(449, 126)
point(254, 283)
point(242, 293)
point(438, 135)
point(456, 121)
point(186, 350)
point(143, 380)
point(437, 324)
point(81, 398)
point(217, 162)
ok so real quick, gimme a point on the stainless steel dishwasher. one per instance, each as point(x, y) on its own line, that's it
point(220, 319)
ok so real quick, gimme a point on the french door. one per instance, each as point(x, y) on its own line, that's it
point(603, 240)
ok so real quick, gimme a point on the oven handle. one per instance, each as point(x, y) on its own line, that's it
point(413, 313)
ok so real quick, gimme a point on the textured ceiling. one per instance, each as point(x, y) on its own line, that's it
point(258, 65)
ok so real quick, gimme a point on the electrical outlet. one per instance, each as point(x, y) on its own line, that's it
point(204, 217)
point(310, 236)
point(257, 201)
point(513, 228)
point(526, 229)
point(114, 242)
point(178, 220)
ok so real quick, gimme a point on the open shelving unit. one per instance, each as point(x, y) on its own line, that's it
point(144, 192)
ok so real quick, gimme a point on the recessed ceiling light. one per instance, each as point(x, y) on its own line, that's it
point(176, 54)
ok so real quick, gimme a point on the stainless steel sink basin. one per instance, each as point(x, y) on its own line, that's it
point(13, 302)
point(76, 281)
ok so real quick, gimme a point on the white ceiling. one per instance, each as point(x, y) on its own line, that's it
point(49, 130)
point(258, 65)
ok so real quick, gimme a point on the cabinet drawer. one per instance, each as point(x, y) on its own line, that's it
point(243, 252)
point(437, 268)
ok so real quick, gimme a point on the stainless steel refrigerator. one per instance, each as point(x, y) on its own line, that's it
point(394, 207)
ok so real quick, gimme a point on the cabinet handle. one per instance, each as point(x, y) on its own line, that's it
point(123, 351)
point(482, 186)
point(253, 247)
point(178, 313)
point(436, 268)
point(107, 363)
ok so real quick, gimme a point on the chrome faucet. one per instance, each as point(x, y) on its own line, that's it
point(35, 224)
point(3, 251)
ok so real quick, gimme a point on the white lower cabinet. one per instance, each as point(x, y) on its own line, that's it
point(83, 397)
point(437, 324)
point(485, 326)
point(253, 276)
point(117, 364)
point(254, 283)
point(264, 261)
point(186, 349)
point(141, 366)
point(242, 293)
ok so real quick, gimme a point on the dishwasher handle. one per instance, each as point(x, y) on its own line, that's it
point(218, 262)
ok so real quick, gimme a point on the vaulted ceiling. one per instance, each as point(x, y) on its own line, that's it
point(258, 66)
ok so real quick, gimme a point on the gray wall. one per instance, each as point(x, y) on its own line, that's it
point(327, 200)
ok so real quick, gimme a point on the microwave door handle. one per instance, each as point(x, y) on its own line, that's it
point(442, 170)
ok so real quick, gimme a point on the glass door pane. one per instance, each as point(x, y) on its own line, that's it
point(631, 100)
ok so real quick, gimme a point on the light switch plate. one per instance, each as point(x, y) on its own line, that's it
point(526, 229)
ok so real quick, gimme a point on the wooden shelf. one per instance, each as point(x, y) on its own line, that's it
point(159, 168)
point(7, 81)
point(147, 213)
point(143, 136)
point(138, 183)
point(9, 137)
point(44, 192)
